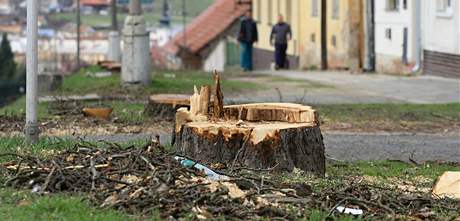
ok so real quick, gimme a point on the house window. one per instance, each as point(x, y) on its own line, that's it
point(388, 33)
point(313, 37)
point(392, 5)
point(334, 41)
point(335, 9)
point(444, 8)
point(314, 8)
point(405, 4)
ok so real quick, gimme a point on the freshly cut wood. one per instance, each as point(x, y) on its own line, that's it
point(276, 136)
point(284, 112)
point(199, 102)
point(164, 106)
point(448, 185)
point(218, 98)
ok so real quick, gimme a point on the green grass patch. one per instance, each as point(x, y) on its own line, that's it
point(23, 206)
point(389, 112)
point(162, 82)
point(386, 169)
point(18, 108)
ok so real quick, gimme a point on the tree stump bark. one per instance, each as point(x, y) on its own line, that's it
point(164, 106)
point(260, 136)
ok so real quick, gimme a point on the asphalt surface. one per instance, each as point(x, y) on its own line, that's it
point(361, 146)
point(348, 88)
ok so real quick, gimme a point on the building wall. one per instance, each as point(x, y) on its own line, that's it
point(441, 40)
point(344, 30)
point(216, 59)
point(441, 31)
point(310, 35)
point(266, 12)
point(389, 50)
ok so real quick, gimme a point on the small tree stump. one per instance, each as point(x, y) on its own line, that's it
point(164, 106)
point(260, 136)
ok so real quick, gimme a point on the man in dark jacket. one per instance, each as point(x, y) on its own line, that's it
point(247, 36)
point(281, 34)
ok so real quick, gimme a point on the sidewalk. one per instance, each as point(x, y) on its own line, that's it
point(362, 88)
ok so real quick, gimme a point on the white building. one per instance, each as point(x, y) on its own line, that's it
point(7, 7)
point(441, 38)
point(394, 35)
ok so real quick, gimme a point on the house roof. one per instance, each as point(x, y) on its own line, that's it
point(208, 25)
point(95, 2)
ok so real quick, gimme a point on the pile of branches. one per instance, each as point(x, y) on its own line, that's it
point(11, 122)
point(140, 181)
point(149, 179)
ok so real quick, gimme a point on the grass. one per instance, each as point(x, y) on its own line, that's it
point(162, 82)
point(23, 206)
point(392, 112)
point(392, 117)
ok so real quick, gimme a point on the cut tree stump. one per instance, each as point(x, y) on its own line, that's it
point(274, 136)
point(164, 106)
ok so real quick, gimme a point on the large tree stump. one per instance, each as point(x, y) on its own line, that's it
point(260, 136)
point(164, 106)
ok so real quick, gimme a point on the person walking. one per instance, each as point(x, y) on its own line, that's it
point(247, 36)
point(279, 37)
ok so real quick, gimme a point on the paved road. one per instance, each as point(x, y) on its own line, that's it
point(363, 146)
point(382, 146)
point(361, 88)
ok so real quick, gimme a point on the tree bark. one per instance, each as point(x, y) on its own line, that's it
point(300, 146)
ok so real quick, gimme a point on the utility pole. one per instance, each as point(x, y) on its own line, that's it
point(136, 62)
point(78, 34)
point(324, 63)
point(418, 37)
point(114, 53)
point(113, 9)
point(369, 33)
point(31, 128)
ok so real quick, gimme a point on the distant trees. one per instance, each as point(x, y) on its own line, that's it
point(7, 63)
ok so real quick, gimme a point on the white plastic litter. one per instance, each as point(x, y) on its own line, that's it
point(210, 174)
point(351, 211)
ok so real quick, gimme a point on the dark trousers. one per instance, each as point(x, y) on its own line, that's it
point(246, 56)
point(280, 54)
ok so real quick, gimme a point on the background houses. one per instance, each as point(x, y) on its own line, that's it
point(395, 36)
point(441, 38)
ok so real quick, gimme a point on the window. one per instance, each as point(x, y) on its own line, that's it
point(392, 5)
point(313, 37)
point(314, 8)
point(405, 4)
point(388, 33)
point(444, 8)
point(335, 9)
point(334, 41)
